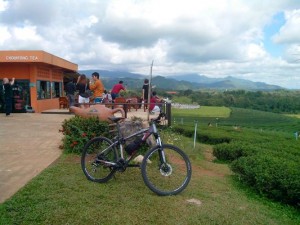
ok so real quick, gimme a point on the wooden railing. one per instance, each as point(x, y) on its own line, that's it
point(127, 106)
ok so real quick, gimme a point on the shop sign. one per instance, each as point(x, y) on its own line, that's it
point(21, 58)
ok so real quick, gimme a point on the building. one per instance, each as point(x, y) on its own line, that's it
point(38, 78)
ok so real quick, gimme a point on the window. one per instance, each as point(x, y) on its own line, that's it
point(43, 89)
point(56, 89)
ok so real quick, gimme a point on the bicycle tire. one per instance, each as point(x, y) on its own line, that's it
point(170, 178)
point(91, 158)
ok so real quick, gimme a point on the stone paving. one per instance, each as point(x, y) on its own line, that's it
point(29, 143)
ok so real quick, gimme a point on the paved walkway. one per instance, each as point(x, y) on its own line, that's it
point(29, 143)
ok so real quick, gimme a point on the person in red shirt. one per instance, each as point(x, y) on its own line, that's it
point(153, 106)
point(116, 90)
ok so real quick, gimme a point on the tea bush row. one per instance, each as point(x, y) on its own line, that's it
point(209, 138)
point(272, 176)
point(234, 150)
point(267, 161)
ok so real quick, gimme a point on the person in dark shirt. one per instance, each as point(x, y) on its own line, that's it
point(70, 91)
point(145, 91)
point(8, 94)
point(82, 85)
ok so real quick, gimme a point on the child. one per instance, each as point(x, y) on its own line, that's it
point(153, 100)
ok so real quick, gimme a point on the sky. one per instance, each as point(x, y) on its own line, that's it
point(257, 40)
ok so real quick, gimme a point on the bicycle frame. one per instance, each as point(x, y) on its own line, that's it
point(120, 140)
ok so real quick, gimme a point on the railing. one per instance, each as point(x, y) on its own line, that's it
point(165, 107)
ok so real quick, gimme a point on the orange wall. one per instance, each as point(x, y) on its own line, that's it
point(18, 71)
point(46, 104)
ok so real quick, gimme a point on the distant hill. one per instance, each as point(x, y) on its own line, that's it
point(226, 82)
point(179, 82)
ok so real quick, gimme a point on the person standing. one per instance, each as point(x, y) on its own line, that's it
point(70, 91)
point(116, 90)
point(145, 92)
point(97, 87)
point(8, 94)
point(82, 85)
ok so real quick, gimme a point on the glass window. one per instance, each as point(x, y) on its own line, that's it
point(43, 89)
point(56, 89)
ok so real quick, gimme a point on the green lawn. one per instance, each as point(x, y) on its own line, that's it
point(203, 111)
point(62, 195)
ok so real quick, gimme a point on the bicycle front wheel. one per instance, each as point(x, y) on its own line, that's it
point(97, 158)
point(166, 170)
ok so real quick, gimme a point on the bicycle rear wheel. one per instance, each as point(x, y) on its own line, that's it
point(170, 177)
point(96, 159)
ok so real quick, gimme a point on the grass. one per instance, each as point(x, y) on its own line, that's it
point(203, 115)
point(244, 118)
point(203, 111)
point(62, 195)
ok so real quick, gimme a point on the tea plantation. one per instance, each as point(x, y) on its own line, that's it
point(262, 148)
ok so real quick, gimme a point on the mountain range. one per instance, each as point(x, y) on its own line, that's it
point(179, 82)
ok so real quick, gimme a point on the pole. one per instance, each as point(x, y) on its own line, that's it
point(149, 91)
point(168, 110)
point(196, 123)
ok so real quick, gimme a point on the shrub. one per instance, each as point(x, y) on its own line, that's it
point(271, 176)
point(208, 138)
point(234, 150)
point(77, 131)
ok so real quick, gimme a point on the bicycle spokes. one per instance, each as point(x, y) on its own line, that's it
point(169, 177)
point(97, 164)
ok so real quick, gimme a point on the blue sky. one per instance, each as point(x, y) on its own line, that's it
point(270, 30)
point(257, 40)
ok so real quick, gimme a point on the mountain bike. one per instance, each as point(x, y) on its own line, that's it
point(166, 169)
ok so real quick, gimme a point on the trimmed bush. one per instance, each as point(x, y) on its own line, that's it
point(77, 131)
point(208, 138)
point(234, 150)
point(271, 176)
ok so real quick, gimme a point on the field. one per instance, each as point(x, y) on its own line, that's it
point(261, 148)
point(203, 111)
point(243, 118)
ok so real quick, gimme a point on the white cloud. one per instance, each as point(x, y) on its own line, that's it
point(255, 52)
point(27, 33)
point(289, 33)
point(3, 5)
point(216, 38)
point(5, 35)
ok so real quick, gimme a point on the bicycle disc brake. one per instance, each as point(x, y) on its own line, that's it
point(166, 169)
